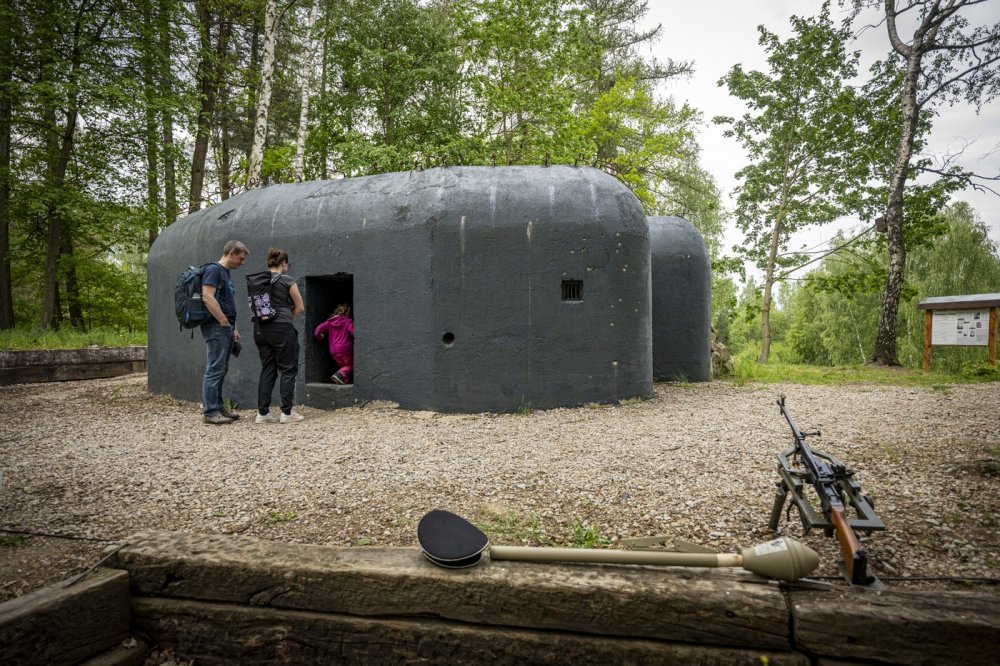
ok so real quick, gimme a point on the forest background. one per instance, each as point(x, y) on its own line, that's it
point(119, 116)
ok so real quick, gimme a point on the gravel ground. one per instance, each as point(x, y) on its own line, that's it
point(103, 459)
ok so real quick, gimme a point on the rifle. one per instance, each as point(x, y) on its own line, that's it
point(836, 489)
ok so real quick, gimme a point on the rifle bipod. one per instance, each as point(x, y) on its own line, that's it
point(836, 489)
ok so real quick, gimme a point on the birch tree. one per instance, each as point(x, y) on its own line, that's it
point(306, 78)
point(947, 59)
point(800, 138)
point(271, 22)
point(207, 76)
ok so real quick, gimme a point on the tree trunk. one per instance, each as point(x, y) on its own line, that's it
point(323, 153)
point(72, 284)
point(166, 88)
point(765, 308)
point(885, 338)
point(264, 102)
point(206, 90)
point(7, 15)
point(224, 161)
point(51, 315)
point(149, 73)
point(252, 90)
point(306, 78)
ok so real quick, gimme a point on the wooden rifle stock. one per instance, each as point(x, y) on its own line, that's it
point(855, 559)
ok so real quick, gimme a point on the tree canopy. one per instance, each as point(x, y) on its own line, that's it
point(116, 116)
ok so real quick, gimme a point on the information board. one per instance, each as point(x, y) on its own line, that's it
point(960, 328)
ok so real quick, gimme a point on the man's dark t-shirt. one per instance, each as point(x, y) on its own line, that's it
point(225, 292)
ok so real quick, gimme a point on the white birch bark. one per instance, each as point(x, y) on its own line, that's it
point(264, 103)
point(305, 80)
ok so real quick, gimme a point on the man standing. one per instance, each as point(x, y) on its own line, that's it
point(219, 296)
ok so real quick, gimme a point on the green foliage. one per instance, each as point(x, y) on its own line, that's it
point(68, 338)
point(13, 540)
point(277, 517)
point(749, 370)
point(106, 100)
point(834, 312)
point(588, 536)
point(800, 137)
point(511, 526)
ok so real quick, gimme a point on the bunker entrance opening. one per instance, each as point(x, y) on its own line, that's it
point(323, 294)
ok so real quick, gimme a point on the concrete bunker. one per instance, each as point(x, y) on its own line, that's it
point(473, 288)
point(682, 301)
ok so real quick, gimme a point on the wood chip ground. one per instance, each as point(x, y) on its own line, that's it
point(103, 459)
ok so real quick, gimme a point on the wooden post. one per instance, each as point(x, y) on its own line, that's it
point(991, 341)
point(927, 340)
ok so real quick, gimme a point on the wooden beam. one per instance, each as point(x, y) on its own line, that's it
point(928, 329)
point(65, 625)
point(222, 634)
point(991, 344)
point(663, 603)
point(898, 626)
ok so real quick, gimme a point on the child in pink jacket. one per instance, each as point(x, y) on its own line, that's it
point(339, 332)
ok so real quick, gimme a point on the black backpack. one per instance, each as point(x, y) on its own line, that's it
point(190, 309)
point(259, 296)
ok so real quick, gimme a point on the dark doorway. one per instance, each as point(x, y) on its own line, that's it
point(323, 294)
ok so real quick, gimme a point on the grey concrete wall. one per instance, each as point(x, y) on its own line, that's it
point(472, 255)
point(682, 301)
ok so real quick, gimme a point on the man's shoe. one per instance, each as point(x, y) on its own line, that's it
point(217, 419)
point(229, 415)
point(291, 418)
point(266, 418)
point(338, 378)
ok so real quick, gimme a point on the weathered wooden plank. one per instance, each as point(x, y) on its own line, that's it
point(900, 627)
point(30, 357)
point(674, 604)
point(213, 633)
point(130, 652)
point(58, 625)
point(64, 373)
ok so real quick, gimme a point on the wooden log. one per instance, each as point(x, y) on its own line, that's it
point(899, 627)
point(65, 625)
point(675, 604)
point(66, 373)
point(212, 633)
point(57, 365)
point(928, 332)
point(131, 652)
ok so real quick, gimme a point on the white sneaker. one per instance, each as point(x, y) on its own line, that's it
point(266, 418)
point(291, 418)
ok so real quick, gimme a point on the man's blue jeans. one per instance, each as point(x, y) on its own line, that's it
point(218, 342)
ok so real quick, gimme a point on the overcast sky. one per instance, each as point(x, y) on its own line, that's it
point(717, 34)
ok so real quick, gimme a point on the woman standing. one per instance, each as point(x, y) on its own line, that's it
point(278, 342)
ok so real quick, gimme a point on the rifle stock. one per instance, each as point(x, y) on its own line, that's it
point(855, 559)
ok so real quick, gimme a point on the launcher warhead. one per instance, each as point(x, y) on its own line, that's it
point(836, 489)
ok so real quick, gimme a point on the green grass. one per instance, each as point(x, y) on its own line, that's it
point(511, 526)
point(588, 536)
point(37, 338)
point(276, 517)
point(748, 370)
point(13, 540)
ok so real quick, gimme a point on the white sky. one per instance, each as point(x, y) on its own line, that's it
point(717, 34)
